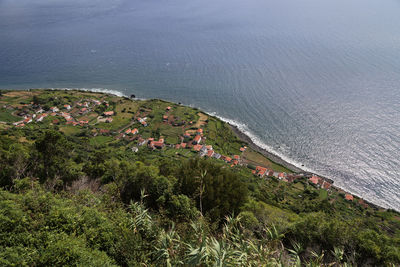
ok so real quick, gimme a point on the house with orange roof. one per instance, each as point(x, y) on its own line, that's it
point(109, 120)
point(168, 108)
point(157, 144)
point(349, 197)
point(314, 179)
point(83, 110)
point(197, 139)
point(135, 131)
point(210, 153)
point(197, 148)
point(183, 145)
point(199, 131)
point(228, 159)
point(108, 113)
point(237, 157)
point(326, 185)
point(260, 171)
point(66, 106)
point(281, 175)
point(165, 118)
point(128, 131)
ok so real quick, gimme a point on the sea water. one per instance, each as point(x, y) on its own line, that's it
point(315, 81)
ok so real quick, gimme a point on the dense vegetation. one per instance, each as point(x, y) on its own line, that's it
point(66, 200)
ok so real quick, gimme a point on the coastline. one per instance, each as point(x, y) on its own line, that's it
point(240, 134)
point(276, 159)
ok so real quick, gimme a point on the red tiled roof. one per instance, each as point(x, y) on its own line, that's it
point(210, 153)
point(327, 185)
point(128, 131)
point(197, 147)
point(314, 179)
point(349, 197)
point(183, 145)
point(228, 159)
point(135, 131)
point(236, 157)
point(108, 113)
point(197, 138)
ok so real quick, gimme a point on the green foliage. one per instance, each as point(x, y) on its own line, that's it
point(224, 191)
point(69, 198)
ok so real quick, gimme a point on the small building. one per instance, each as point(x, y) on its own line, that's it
point(28, 120)
point(314, 179)
point(217, 155)
point(141, 141)
point(349, 197)
point(135, 131)
point(157, 144)
point(197, 148)
point(128, 131)
point(135, 149)
point(197, 139)
point(228, 159)
point(165, 118)
point(108, 113)
point(109, 120)
point(67, 107)
point(54, 109)
point(260, 171)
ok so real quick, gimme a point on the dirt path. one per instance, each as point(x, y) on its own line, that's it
point(200, 122)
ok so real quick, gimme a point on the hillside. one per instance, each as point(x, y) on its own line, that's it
point(94, 179)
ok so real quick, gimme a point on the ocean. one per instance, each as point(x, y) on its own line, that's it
point(313, 81)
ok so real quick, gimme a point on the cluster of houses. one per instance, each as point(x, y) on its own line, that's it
point(264, 172)
point(188, 141)
point(39, 114)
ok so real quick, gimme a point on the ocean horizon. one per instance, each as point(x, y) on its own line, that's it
point(316, 83)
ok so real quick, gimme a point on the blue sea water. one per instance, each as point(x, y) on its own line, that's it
point(315, 81)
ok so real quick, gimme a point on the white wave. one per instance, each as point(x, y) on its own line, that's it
point(95, 90)
point(256, 140)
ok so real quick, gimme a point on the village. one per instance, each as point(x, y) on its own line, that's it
point(96, 113)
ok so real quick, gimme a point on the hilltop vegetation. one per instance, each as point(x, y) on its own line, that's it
point(80, 187)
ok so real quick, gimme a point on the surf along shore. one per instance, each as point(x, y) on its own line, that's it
point(278, 160)
point(241, 135)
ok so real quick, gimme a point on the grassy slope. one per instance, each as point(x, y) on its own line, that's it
point(284, 203)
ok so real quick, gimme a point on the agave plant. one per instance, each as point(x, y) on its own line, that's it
point(141, 219)
point(168, 247)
